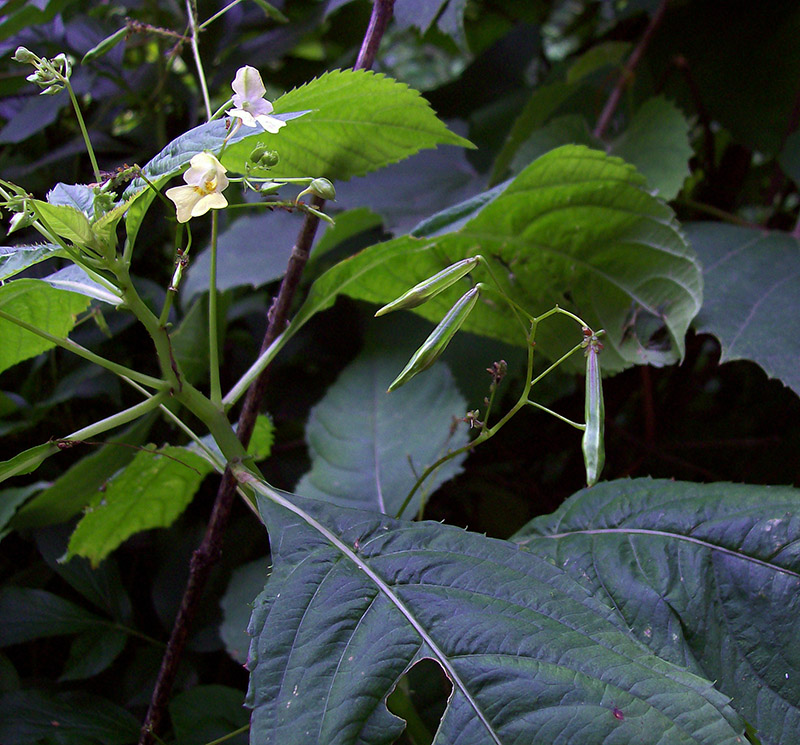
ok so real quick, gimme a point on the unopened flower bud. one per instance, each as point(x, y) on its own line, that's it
point(322, 188)
point(257, 153)
point(26, 56)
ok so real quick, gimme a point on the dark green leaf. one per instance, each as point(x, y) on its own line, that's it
point(33, 716)
point(37, 113)
point(368, 447)
point(151, 492)
point(237, 605)
point(11, 499)
point(27, 613)
point(207, 712)
point(93, 652)
point(707, 575)
point(657, 143)
point(354, 599)
point(751, 302)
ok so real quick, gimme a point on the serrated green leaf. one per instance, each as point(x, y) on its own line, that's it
point(657, 143)
point(13, 259)
point(27, 613)
point(355, 598)
point(38, 304)
point(150, 492)
point(752, 303)
point(358, 122)
point(575, 228)
point(368, 447)
point(66, 221)
point(707, 575)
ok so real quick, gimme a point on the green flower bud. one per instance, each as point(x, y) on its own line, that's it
point(322, 188)
point(257, 153)
point(26, 56)
point(431, 287)
point(270, 187)
point(440, 337)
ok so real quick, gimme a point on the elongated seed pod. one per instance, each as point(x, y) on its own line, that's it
point(431, 287)
point(594, 454)
point(440, 337)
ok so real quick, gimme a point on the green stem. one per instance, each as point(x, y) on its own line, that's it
point(219, 13)
point(77, 349)
point(213, 339)
point(84, 131)
point(230, 735)
point(581, 427)
point(196, 52)
point(118, 419)
point(555, 365)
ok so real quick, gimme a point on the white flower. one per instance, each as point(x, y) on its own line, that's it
point(205, 180)
point(250, 106)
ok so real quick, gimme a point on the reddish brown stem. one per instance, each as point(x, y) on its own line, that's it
point(627, 72)
point(210, 549)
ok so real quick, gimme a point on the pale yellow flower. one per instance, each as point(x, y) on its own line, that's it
point(205, 181)
point(250, 106)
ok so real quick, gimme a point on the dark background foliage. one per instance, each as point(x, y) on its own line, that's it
point(478, 63)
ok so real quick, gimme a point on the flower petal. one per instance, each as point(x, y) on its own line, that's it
point(247, 85)
point(185, 199)
point(213, 201)
point(270, 123)
point(245, 116)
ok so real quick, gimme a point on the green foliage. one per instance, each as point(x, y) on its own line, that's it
point(36, 303)
point(638, 610)
point(750, 279)
point(514, 631)
point(369, 121)
point(576, 227)
point(150, 492)
point(367, 449)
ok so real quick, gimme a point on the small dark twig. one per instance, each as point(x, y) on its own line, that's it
point(628, 70)
point(210, 548)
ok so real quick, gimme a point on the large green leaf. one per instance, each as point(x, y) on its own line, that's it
point(657, 143)
point(576, 228)
point(707, 575)
point(151, 492)
point(38, 304)
point(207, 712)
point(355, 599)
point(358, 122)
point(752, 301)
point(368, 446)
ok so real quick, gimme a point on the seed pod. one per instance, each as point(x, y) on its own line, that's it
point(594, 453)
point(431, 287)
point(106, 45)
point(440, 337)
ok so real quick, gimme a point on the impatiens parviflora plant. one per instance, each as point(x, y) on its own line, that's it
point(432, 348)
point(89, 239)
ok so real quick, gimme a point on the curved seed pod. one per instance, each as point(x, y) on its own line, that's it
point(432, 286)
point(440, 337)
point(594, 454)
